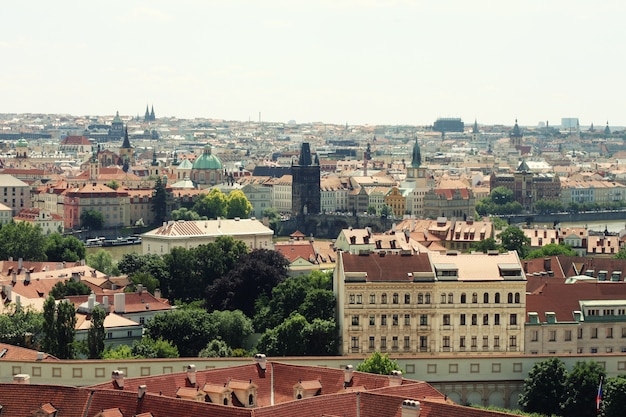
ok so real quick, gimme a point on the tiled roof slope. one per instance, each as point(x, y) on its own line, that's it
point(563, 299)
point(23, 400)
point(386, 268)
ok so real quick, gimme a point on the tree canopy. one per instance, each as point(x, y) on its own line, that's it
point(22, 240)
point(378, 363)
point(238, 205)
point(212, 205)
point(92, 219)
point(59, 248)
point(544, 388)
point(513, 238)
point(551, 249)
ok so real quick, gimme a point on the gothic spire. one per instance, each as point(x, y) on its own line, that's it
point(416, 160)
point(126, 143)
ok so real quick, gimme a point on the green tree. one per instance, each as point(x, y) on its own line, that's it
point(287, 339)
point(582, 389)
point(501, 195)
point(551, 249)
point(92, 219)
point(238, 205)
point(545, 206)
point(152, 264)
point(380, 364)
point(159, 201)
point(614, 396)
point(318, 304)
point(50, 341)
point(144, 279)
point(102, 261)
point(21, 326)
point(322, 337)
point(232, 327)
point(485, 245)
point(371, 210)
point(385, 211)
point(498, 223)
point(190, 330)
point(69, 287)
point(184, 213)
point(513, 238)
point(149, 348)
point(113, 184)
point(96, 333)
point(216, 348)
point(22, 240)
point(544, 388)
point(621, 254)
point(59, 248)
point(65, 325)
point(212, 205)
point(118, 352)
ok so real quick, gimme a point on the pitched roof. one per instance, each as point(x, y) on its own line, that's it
point(386, 268)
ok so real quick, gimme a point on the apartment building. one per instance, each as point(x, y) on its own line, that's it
point(113, 204)
point(430, 303)
point(14, 193)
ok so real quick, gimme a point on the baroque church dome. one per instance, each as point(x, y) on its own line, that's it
point(207, 161)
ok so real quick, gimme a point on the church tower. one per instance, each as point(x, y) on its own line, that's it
point(117, 127)
point(126, 151)
point(94, 165)
point(515, 138)
point(475, 132)
point(416, 172)
point(306, 196)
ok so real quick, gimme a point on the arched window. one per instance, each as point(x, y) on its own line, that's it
point(463, 298)
point(420, 298)
point(497, 300)
point(395, 298)
point(486, 298)
point(443, 298)
point(450, 298)
point(225, 401)
point(383, 298)
point(516, 298)
point(474, 298)
point(427, 298)
point(250, 399)
point(510, 298)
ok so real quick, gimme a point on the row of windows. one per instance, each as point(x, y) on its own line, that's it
point(423, 342)
point(567, 335)
point(424, 298)
point(446, 319)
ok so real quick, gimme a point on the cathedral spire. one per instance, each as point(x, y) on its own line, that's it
point(416, 159)
point(126, 143)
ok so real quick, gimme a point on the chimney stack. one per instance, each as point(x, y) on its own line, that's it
point(14, 277)
point(26, 277)
point(157, 293)
point(117, 377)
point(395, 378)
point(347, 375)
point(410, 408)
point(105, 303)
point(261, 360)
point(119, 302)
point(191, 375)
point(20, 263)
point(141, 391)
point(547, 263)
point(91, 301)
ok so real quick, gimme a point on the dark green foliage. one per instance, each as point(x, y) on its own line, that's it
point(513, 238)
point(92, 219)
point(614, 396)
point(485, 245)
point(65, 329)
point(216, 348)
point(544, 388)
point(500, 201)
point(69, 287)
point(551, 249)
point(254, 275)
point(103, 262)
point(149, 348)
point(582, 389)
point(96, 333)
point(22, 240)
point(273, 217)
point(188, 329)
point(50, 342)
point(159, 201)
point(21, 327)
point(233, 327)
point(59, 248)
point(378, 364)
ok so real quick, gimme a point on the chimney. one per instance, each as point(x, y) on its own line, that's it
point(139, 288)
point(547, 264)
point(157, 293)
point(91, 301)
point(14, 277)
point(117, 378)
point(395, 378)
point(119, 302)
point(141, 391)
point(191, 375)
point(26, 277)
point(105, 303)
point(347, 375)
point(20, 262)
point(261, 360)
point(40, 356)
point(75, 277)
point(410, 408)
point(22, 379)
point(8, 292)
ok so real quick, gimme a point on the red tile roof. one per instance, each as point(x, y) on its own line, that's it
point(387, 268)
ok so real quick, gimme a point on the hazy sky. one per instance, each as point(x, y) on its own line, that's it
point(350, 61)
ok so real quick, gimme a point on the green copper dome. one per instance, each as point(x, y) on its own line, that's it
point(21, 143)
point(207, 160)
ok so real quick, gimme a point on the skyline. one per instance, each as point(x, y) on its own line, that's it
point(355, 61)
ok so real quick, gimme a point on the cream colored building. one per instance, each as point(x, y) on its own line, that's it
point(588, 190)
point(49, 222)
point(14, 193)
point(281, 193)
point(6, 214)
point(189, 234)
point(430, 303)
